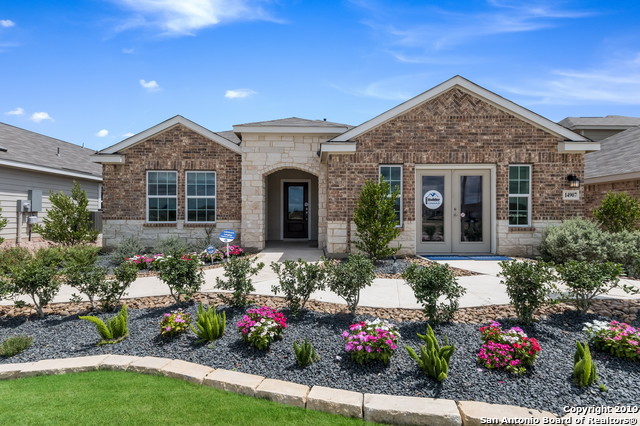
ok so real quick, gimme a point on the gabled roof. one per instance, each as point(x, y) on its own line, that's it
point(619, 158)
point(292, 125)
point(20, 148)
point(468, 86)
point(112, 154)
point(609, 122)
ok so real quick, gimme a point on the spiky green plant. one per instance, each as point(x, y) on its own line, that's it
point(114, 330)
point(433, 358)
point(584, 369)
point(305, 353)
point(14, 345)
point(210, 324)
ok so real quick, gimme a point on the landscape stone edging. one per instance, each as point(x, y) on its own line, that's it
point(374, 407)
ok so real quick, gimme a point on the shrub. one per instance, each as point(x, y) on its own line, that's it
point(371, 340)
point(52, 257)
point(174, 323)
point(433, 284)
point(375, 220)
point(261, 326)
point(617, 338)
point(88, 280)
point(305, 353)
point(13, 257)
point(35, 278)
point(210, 324)
point(586, 280)
point(3, 223)
point(618, 211)
point(346, 279)
point(68, 221)
point(14, 345)
point(528, 286)
point(127, 248)
point(584, 368)
point(182, 273)
point(238, 272)
point(512, 349)
point(574, 239)
point(171, 244)
point(114, 330)
point(433, 359)
point(298, 279)
point(624, 248)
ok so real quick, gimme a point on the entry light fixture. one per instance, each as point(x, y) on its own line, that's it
point(574, 182)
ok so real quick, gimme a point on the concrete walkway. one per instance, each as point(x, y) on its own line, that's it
point(482, 290)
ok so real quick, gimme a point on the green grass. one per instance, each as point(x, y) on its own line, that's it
point(117, 397)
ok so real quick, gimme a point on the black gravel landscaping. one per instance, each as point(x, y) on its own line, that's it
point(547, 385)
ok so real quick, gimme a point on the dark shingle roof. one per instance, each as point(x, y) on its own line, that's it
point(294, 122)
point(230, 135)
point(32, 148)
point(608, 121)
point(619, 154)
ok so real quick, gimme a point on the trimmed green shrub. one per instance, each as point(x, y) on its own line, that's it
point(3, 223)
point(574, 239)
point(346, 279)
point(182, 273)
point(584, 368)
point(528, 286)
point(210, 325)
point(297, 280)
point(433, 358)
point(114, 330)
point(238, 272)
point(305, 353)
point(87, 279)
point(586, 280)
point(375, 220)
point(127, 248)
point(171, 244)
point(12, 257)
point(430, 285)
point(618, 211)
point(113, 290)
point(624, 248)
point(68, 221)
point(14, 345)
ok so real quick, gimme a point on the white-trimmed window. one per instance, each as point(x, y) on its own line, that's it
point(162, 196)
point(201, 197)
point(393, 176)
point(520, 195)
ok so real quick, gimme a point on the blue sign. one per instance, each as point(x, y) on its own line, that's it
point(227, 236)
point(211, 250)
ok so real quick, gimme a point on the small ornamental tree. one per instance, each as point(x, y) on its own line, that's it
point(618, 212)
point(375, 219)
point(68, 222)
point(3, 223)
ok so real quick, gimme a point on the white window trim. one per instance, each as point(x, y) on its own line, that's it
point(401, 224)
point(146, 184)
point(529, 219)
point(186, 196)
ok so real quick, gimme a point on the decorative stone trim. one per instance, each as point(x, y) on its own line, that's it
point(372, 407)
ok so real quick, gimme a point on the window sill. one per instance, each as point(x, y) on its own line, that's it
point(522, 229)
point(200, 224)
point(160, 225)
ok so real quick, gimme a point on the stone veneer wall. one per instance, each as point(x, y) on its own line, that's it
point(454, 128)
point(180, 149)
point(595, 192)
point(265, 153)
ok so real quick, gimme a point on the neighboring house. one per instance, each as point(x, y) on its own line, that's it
point(616, 168)
point(599, 128)
point(477, 174)
point(33, 165)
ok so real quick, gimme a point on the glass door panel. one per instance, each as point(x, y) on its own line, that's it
point(471, 211)
point(433, 208)
point(471, 208)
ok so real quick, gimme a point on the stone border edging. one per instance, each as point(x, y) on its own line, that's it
point(369, 407)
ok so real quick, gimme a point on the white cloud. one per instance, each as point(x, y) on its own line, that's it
point(102, 133)
point(151, 85)
point(128, 51)
point(239, 93)
point(128, 135)
point(398, 88)
point(186, 16)
point(40, 116)
point(15, 111)
point(6, 23)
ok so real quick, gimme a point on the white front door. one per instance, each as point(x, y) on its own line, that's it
point(453, 211)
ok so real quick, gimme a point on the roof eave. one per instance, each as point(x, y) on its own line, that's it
point(325, 130)
point(578, 147)
point(107, 158)
point(50, 170)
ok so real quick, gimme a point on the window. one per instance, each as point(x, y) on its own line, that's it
point(162, 199)
point(201, 197)
point(520, 195)
point(393, 176)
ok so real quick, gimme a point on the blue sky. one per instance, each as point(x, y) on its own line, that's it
point(95, 71)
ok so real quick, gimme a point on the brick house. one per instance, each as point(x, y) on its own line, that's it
point(477, 174)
